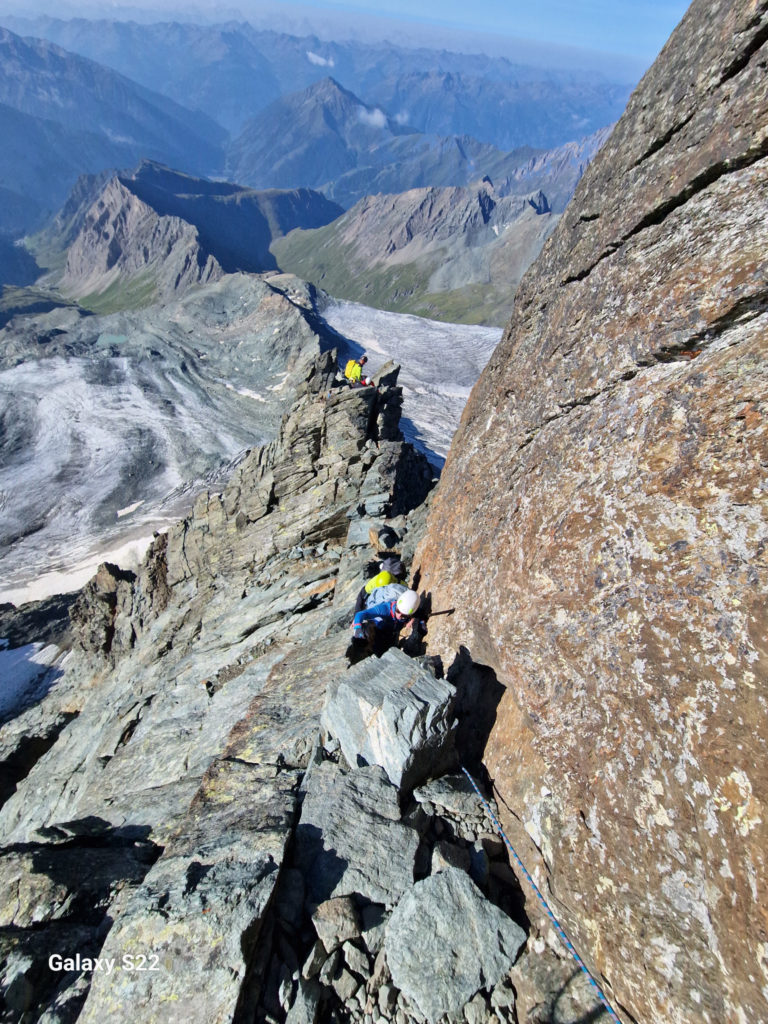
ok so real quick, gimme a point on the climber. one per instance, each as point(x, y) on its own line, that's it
point(391, 573)
point(380, 625)
point(353, 372)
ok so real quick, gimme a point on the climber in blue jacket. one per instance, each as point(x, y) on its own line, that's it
point(385, 620)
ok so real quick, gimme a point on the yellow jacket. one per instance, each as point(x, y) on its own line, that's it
point(353, 371)
point(382, 580)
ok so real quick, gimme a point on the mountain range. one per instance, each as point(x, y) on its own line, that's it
point(126, 240)
point(168, 92)
point(326, 138)
point(130, 239)
point(453, 254)
point(63, 115)
point(231, 71)
point(546, 799)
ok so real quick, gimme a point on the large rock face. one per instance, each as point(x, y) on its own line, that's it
point(600, 529)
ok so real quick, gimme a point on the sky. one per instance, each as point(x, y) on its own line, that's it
point(635, 28)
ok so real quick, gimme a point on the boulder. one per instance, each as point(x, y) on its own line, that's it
point(350, 838)
point(198, 914)
point(390, 712)
point(306, 1004)
point(336, 921)
point(445, 941)
point(453, 794)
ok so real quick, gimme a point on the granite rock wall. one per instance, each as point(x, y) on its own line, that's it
point(601, 526)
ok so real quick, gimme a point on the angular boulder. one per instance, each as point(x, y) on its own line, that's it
point(391, 712)
point(445, 941)
point(350, 838)
point(190, 931)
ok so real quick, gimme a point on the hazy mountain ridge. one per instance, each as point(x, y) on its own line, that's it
point(124, 244)
point(233, 70)
point(327, 138)
point(63, 115)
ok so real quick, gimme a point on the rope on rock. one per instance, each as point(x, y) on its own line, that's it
point(543, 902)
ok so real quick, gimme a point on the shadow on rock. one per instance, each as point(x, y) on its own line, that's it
point(75, 877)
point(478, 693)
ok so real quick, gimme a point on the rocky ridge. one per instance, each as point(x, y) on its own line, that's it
point(604, 503)
point(153, 234)
point(199, 798)
point(452, 253)
point(125, 246)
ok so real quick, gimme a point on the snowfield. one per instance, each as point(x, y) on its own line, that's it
point(440, 364)
point(112, 434)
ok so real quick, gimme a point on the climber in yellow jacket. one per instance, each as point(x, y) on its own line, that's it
point(392, 570)
point(353, 371)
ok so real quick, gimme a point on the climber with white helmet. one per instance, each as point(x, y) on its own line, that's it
point(381, 624)
point(384, 586)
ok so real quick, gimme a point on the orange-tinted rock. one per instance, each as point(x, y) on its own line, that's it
point(601, 529)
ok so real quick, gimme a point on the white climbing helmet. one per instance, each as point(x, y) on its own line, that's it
point(408, 602)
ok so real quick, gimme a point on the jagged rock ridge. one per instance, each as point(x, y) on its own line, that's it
point(187, 801)
point(601, 527)
point(155, 233)
point(456, 253)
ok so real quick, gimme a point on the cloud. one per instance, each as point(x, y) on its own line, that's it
point(402, 117)
point(376, 118)
point(323, 62)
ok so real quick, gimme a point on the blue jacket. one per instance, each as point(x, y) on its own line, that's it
point(381, 615)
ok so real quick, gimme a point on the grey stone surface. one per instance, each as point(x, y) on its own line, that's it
point(306, 1003)
point(445, 941)
point(373, 921)
point(345, 985)
point(447, 855)
point(201, 907)
point(336, 921)
point(350, 839)
point(390, 712)
point(452, 793)
point(315, 960)
point(356, 960)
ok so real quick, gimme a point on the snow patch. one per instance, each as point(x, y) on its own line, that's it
point(23, 673)
point(127, 556)
point(129, 508)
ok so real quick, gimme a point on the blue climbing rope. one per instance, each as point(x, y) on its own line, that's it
point(550, 915)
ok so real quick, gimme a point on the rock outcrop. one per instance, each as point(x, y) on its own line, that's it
point(600, 529)
point(445, 253)
point(184, 837)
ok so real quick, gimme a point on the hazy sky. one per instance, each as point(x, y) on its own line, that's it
point(636, 28)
